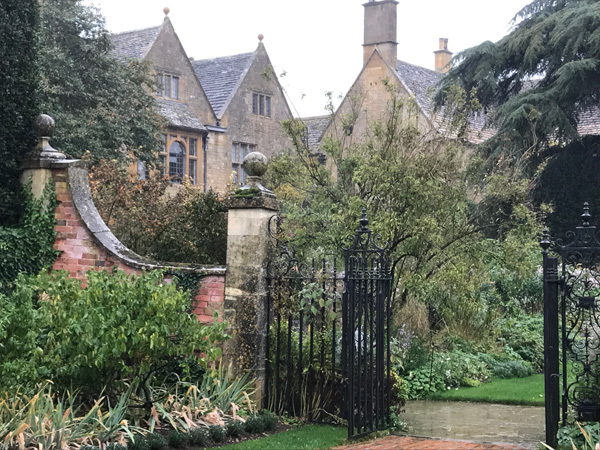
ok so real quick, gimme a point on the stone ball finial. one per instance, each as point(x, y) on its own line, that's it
point(261, 37)
point(255, 164)
point(44, 126)
point(166, 10)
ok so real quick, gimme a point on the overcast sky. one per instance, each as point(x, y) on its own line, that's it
point(316, 43)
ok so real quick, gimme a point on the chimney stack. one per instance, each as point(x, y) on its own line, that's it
point(443, 57)
point(380, 30)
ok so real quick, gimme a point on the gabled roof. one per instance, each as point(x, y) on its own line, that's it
point(179, 115)
point(421, 83)
point(135, 44)
point(221, 77)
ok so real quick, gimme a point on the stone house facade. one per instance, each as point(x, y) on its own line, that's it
point(218, 109)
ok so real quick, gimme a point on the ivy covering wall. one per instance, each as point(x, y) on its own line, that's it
point(28, 247)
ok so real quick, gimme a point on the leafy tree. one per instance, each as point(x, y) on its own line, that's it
point(540, 78)
point(100, 104)
point(419, 199)
point(152, 219)
point(19, 89)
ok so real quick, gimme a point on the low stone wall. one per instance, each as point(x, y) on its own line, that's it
point(86, 243)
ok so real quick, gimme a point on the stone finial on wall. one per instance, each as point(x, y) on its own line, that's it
point(44, 127)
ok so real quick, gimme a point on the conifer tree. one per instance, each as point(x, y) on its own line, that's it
point(539, 78)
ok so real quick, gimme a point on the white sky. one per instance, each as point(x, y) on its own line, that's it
point(317, 43)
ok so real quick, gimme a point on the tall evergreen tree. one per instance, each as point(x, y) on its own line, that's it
point(19, 86)
point(539, 78)
point(100, 104)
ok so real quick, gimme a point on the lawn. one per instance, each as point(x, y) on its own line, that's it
point(307, 437)
point(513, 391)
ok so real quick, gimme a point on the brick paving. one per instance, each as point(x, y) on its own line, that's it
point(417, 443)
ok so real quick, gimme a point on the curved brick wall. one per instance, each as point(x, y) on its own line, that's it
point(85, 242)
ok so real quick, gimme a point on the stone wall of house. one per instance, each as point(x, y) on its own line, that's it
point(168, 56)
point(368, 101)
point(265, 133)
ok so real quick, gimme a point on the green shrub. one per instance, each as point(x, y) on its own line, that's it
point(234, 428)
point(506, 368)
point(270, 419)
point(90, 447)
point(216, 433)
point(177, 439)
point(139, 442)
point(254, 424)
point(198, 437)
point(117, 327)
point(447, 370)
point(156, 441)
point(525, 336)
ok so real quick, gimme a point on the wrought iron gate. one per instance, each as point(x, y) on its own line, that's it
point(328, 346)
point(572, 326)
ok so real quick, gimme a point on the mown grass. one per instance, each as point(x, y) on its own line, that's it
point(306, 437)
point(513, 391)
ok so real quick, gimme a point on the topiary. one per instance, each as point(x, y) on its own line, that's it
point(198, 437)
point(177, 439)
point(216, 433)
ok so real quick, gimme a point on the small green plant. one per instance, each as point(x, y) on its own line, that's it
point(138, 442)
point(255, 424)
point(235, 428)
point(156, 441)
point(198, 437)
point(177, 439)
point(245, 193)
point(269, 419)
point(216, 433)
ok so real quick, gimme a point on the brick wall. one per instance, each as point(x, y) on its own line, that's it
point(80, 251)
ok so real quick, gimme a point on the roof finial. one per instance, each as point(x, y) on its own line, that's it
point(166, 10)
point(261, 37)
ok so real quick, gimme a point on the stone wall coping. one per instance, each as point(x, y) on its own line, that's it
point(82, 200)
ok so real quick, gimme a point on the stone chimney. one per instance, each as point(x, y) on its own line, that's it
point(380, 30)
point(443, 57)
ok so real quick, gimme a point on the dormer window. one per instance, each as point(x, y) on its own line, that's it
point(167, 85)
point(261, 105)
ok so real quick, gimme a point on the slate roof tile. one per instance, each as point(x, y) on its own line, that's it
point(421, 83)
point(179, 115)
point(220, 78)
point(134, 44)
point(315, 127)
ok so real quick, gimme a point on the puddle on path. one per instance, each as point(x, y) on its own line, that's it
point(475, 421)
